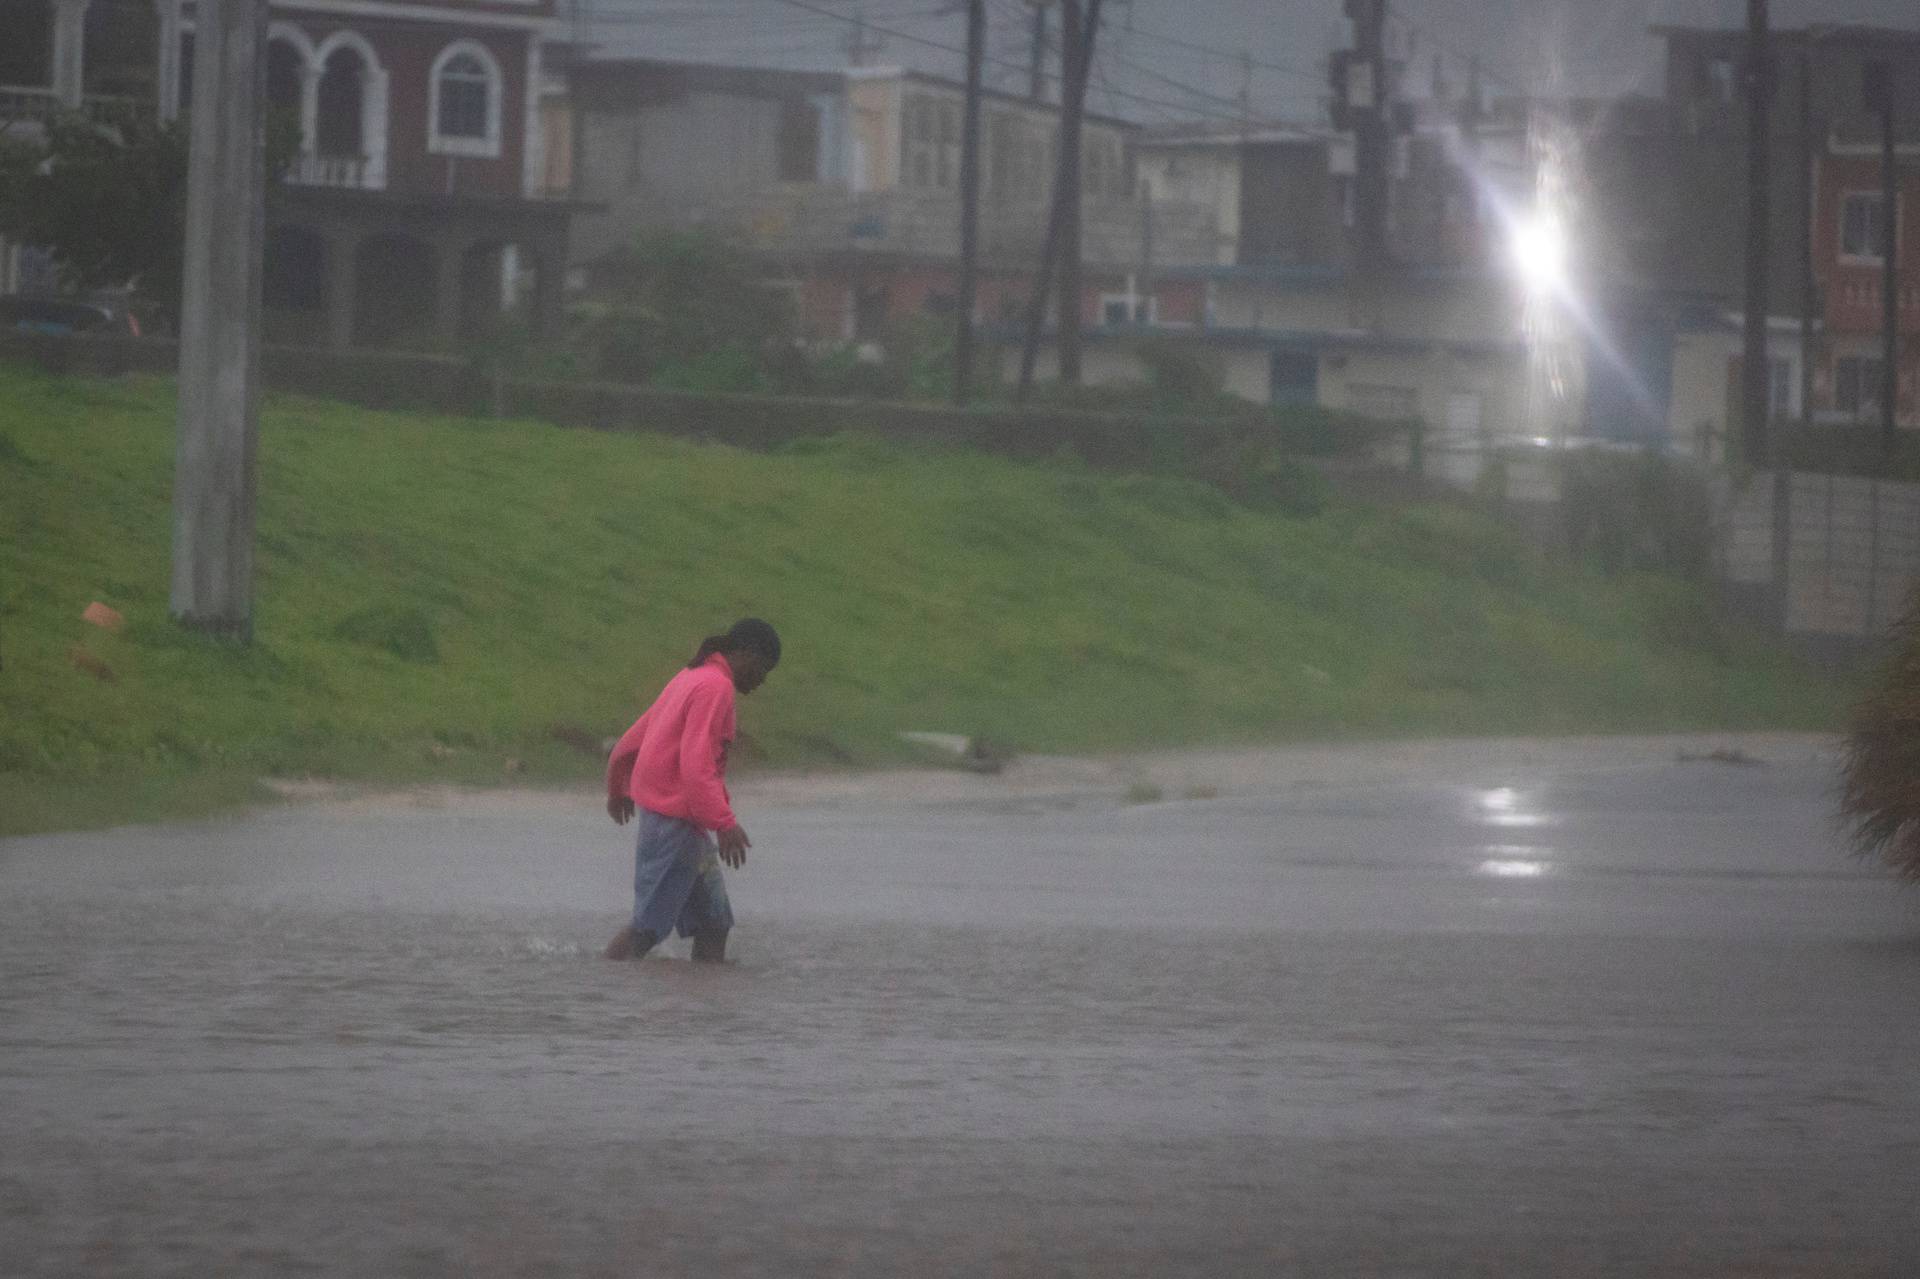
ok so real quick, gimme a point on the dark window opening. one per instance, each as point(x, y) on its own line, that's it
point(122, 50)
point(869, 310)
point(26, 44)
point(1857, 383)
point(284, 63)
point(294, 272)
point(342, 101)
point(799, 141)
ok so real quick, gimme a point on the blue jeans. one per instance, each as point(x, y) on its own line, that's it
point(677, 884)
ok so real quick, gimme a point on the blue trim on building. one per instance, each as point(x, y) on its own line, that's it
point(1291, 340)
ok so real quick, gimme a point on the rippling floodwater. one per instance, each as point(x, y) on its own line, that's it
point(1603, 1021)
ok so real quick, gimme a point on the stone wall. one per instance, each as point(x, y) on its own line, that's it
point(443, 384)
point(1854, 557)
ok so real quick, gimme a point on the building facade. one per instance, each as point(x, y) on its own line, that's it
point(416, 204)
point(1670, 189)
point(847, 185)
point(1293, 311)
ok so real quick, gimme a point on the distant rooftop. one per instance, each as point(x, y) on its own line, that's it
point(783, 80)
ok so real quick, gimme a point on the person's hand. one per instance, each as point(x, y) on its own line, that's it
point(734, 845)
point(620, 808)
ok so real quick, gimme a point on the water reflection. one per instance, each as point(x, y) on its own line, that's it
point(1505, 806)
point(1516, 861)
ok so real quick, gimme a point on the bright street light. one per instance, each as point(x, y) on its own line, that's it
point(1540, 253)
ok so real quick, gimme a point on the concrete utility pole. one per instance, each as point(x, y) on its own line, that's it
point(1883, 99)
point(1756, 374)
point(213, 488)
point(969, 204)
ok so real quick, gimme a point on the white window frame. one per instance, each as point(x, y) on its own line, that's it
point(373, 101)
point(1782, 387)
point(1879, 202)
point(929, 158)
point(488, 146)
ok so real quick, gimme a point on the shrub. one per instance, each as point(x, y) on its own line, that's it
point(1642, 511)
point(1182, 373)
point(1880, 777)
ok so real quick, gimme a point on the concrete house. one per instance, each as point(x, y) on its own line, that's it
point(1442, 331)
point(847, 185)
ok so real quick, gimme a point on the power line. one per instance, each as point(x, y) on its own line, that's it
point(1230, 55)
point(696, 17)
point(1142, 99)
point(1485, 64)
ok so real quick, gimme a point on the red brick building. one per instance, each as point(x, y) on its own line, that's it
point(416, 207)
point(1849, 238)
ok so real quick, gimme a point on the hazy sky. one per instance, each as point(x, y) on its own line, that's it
point(1149, 72)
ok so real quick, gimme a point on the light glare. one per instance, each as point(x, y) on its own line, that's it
point(1540, 253)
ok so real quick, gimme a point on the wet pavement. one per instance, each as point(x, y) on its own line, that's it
point(1506, 1009)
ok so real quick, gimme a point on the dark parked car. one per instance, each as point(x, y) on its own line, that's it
point(62, 316)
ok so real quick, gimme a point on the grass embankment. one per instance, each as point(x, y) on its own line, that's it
point(437, 596)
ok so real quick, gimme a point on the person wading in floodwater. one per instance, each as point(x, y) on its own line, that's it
point(672, 766)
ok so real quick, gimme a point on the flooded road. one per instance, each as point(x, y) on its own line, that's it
point(1505, 1010)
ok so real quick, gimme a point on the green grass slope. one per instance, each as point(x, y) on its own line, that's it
point(437, 596)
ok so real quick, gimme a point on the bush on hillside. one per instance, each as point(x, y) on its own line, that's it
point(1880, 778)
point(1182, 372)
point(1637, 512)
point(675, 299)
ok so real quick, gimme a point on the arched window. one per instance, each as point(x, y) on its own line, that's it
point(341, 127)
point(465, 108)
point(286, 65)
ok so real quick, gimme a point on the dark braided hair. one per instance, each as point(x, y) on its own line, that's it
point(749, 634)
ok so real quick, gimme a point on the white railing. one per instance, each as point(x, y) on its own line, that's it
point(18, 103)
point(28, 103)
point(349, 171)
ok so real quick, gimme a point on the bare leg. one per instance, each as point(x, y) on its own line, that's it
point(710, 946)
point(630, 943)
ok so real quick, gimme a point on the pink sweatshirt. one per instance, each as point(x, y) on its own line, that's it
point(673, 760)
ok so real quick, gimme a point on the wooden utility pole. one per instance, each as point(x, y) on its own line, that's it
point(1073, 94)
point(213, 488)
point(1143, 302)
point(1756, 373)
point(1076, 41)
point(1809, 189)
point(1883, 99)
point(969, 204)
point(1037, 79)
point(1782, 454)
point(1367, 105)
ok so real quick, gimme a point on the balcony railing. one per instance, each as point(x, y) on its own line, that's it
point(809, 218)
point(26, 103)
point(349, 172)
